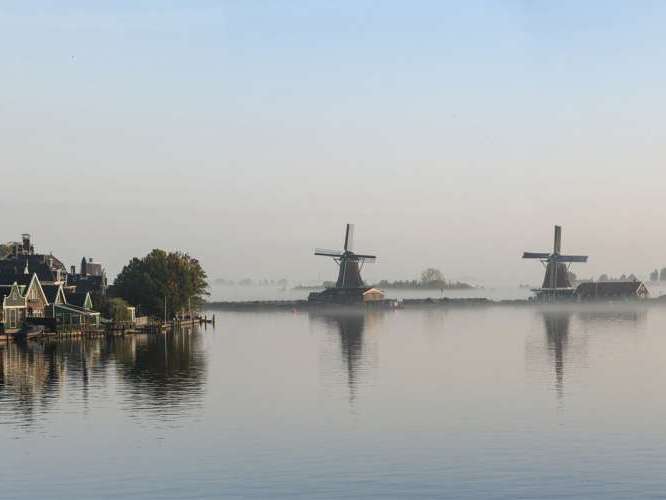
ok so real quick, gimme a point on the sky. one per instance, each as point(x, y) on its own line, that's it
point(246, 133)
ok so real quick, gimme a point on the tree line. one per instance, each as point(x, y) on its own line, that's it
point(431, 279)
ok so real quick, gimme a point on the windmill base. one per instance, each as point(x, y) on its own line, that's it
point(554, 294)
point(339, 295)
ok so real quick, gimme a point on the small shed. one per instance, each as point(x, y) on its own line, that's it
point(373, 295)
point(612, 290)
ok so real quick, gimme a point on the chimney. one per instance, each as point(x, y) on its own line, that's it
point(26, 243)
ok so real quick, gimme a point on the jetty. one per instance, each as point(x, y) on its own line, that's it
point(143, 326)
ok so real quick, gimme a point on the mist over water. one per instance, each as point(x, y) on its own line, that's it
point(492, 402)
point(226, 292)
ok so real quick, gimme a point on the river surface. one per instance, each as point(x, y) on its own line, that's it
point(460, 403)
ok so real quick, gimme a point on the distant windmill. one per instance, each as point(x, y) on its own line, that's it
point(557, 265)
point(350, 263)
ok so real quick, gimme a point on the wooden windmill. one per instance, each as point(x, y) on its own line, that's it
point(349, 262)
point(556, 281)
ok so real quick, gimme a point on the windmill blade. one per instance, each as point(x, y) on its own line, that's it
point(571, 258)
point(349, 237)
point(367, 259)
point(557, 243)
point(328, 253)
point(535, 255)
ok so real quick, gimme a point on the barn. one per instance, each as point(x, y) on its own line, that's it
point(612, 290)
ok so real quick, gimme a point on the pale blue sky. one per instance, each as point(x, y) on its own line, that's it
point(454, 134)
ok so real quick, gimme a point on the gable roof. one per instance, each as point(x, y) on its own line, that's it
point(9, 291)
point(35, 283)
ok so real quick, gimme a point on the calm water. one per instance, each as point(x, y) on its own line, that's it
point(460, 403)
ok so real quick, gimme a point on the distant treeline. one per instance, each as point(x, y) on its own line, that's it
point(250, 282)
point(431, 279)
point(623, 277)
point(431, 285)
point(657, 275)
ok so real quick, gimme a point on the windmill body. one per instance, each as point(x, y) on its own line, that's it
point(556, 283)
point(349, 287)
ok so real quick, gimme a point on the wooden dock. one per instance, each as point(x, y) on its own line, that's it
point(112, 330)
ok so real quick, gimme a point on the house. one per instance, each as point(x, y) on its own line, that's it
point(76, 311)
point(612, 290)
point(31, 288)
point(36, 301)
point(14, 306)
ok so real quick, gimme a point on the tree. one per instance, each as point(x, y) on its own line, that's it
point(603, 277)
point(113, 308)
point(654, 275)
point(173, 276)
point(572, 277)
point(5, 250)
point(662, 274)
point(432, 276)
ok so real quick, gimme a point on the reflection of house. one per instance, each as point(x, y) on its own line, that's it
point(13, 307)
point(608, 290)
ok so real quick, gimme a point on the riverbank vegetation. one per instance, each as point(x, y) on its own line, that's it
point(431, 279)
point(159, 277)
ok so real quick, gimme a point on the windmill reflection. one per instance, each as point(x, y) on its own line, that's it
point(350, 327)
point(557, 337)
point(153, 371)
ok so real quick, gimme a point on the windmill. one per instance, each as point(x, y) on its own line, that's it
point(556, 281)
point(349, 263)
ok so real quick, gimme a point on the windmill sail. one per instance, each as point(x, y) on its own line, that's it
point(557, 244)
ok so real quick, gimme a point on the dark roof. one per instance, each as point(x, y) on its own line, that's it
point(21, 279)
point(45, 266)
point(76, 298)
point(51, 292)
point(609, 289)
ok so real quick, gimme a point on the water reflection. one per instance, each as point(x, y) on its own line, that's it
point(166, 373)
point(566, 332)
point(556, 325)
point(354, 352)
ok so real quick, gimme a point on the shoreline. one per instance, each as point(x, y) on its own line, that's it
point(444, 302)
